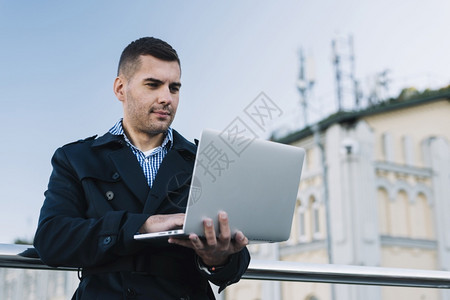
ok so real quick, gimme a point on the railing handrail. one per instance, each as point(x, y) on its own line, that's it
point(23, 256)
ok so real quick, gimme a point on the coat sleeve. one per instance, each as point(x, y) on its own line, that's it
point(232, 271)
point(66, 237)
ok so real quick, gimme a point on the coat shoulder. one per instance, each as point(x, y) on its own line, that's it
point(78, 151)
point(180, 142)
point(81, 141)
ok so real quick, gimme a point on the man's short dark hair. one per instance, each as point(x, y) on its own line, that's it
point(129, 60)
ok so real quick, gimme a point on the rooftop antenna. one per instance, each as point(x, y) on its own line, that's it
point(305, 83)
point(338, 73)
point(355, 82)
point(344, 65)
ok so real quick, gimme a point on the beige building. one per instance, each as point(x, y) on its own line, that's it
point(386, 178)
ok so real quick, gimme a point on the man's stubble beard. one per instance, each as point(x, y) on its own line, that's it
point(144, 123)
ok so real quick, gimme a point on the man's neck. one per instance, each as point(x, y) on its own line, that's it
point(144, 141)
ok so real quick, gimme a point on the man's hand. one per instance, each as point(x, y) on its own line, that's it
point(214, 251)
point(158, 223)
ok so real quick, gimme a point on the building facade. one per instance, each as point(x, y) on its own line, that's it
point(31, 284)
point(384, 175)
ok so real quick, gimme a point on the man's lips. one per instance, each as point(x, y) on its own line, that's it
point(161, 113)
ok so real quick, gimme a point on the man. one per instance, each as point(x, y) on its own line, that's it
point(104, 190)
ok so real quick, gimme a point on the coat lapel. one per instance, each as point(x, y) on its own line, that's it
point(174, 172)
point(127, 166)
point(131, 172)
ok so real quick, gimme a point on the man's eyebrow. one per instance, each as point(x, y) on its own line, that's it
point(154, 80)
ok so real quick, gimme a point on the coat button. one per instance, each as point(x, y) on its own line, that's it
point(115, 176)
point(107, 240)
point(109, 195)
point(131, 292)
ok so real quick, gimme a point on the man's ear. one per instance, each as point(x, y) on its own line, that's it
point(119, 88)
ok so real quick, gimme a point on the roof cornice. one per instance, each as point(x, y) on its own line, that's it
point(352, 116)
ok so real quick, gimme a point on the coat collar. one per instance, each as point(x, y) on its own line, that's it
point(174, 172)
point(178, 162)
point(179, 143)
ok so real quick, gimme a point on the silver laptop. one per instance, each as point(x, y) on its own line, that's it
point(255, 181)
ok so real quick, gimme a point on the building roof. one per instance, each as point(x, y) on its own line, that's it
point(349, 117)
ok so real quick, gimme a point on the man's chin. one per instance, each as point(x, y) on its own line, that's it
point(156, 130)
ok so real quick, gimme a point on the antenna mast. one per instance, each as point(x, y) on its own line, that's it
point(305, 83)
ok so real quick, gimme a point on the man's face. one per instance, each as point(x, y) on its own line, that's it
point(150, 96)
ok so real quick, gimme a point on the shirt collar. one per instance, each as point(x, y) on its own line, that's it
point(117, 129)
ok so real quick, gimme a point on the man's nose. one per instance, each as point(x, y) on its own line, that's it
point(165, 96)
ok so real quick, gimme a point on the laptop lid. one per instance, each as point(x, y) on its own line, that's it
point(255, 181)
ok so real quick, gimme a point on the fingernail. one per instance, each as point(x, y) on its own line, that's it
point(223, 215)
point(208, 223)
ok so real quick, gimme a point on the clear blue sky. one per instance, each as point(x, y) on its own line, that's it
point(58, 61)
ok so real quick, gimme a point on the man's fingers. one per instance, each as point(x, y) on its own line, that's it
point(157, 223)
point(215, 250)
point(210, 234)
point(179, 220)
point(181, 242)
point(196, 242)
point(240, 240)
point(224, 227)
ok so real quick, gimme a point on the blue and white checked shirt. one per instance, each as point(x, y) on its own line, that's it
point(149, 160)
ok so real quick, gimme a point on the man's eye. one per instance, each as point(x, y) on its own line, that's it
point(174, 89)
point(152, 85)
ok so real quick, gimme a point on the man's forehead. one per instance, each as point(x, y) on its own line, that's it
point(147, 58)
point(151, 64)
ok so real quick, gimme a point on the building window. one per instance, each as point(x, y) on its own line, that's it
point(388, 147)
point(309, 220)
point(316, 219)
point(400, 215)
point(314, 209)
point(301, 217)
point(384, 215)
point(408, 150)
point(422, 214)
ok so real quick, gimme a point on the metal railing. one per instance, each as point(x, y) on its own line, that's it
point(24, 256)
